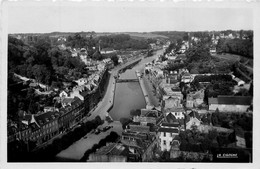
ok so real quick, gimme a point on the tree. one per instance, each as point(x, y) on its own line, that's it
point(212, 134)
point(41, 73)
point(136, 112)
point(174, 66)
point(97, 55)
point(125, 122)
point(199, 53)
point(114, 58)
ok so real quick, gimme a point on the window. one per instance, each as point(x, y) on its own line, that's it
point(164, 134)
point(164, 142)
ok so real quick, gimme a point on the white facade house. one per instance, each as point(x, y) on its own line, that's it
point(63, 94)
point(166, 135)
point(213, 51)
point(178, 113)
point(120, 60)
point(107, 51)
point(157, 72)
point(81, 81)
point(193, 121)
point(239, 81)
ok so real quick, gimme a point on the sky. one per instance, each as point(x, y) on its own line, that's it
point(75, 17)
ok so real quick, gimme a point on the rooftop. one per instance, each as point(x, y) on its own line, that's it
point(231, 100)
point(139, 128)
point(175, 124)
point(46, 117)
point(112, 149)
point(168, 130)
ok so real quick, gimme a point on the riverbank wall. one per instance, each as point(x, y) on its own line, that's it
point(111, 103)
point(148, 102)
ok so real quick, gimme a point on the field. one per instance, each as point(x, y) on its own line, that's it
point(145, 35)
point(229, 57)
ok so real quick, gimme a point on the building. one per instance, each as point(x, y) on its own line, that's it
point(223, 103)
point(170, 102)
point(81, 81)
point(107, 51)
point(66, 101)
point(166, 134)
point(45, 126)
point(120, 60)
point(194, 99)
point(64, 94)
point(213, 51)
point(239, 81)
point(71, 114)
point(147, 117)
point(143, 120)
point(186, 77)
point(112, 152)
point(140, 144)
point(109, 63)
point(192, 118)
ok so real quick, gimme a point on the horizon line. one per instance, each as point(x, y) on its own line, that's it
point(131, 31)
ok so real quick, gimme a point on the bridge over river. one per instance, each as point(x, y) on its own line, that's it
point(126, 80)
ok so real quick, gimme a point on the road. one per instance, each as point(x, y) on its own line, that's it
point(76, 151)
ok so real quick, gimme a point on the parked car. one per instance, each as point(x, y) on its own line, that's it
point(89, 115)
point(106, 128)
point(97, 131)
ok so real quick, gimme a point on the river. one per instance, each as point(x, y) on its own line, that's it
point(129, 96)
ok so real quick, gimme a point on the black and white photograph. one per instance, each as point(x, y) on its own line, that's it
point(133, 82)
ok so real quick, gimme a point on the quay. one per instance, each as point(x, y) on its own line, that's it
point(148, 102)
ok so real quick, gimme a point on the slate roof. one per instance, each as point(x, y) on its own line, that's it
point(194, 114)
point(76, 101)
point(212, 100)
point(139, 128)
point(175, 124)
point(84, 93)
point(44, 118)
point(168, 130)
point(186, 74)
point(170, 118)
point(231, 100)
point(112, 149)
point(239, 100)
point(67, 100)
point(149, 113)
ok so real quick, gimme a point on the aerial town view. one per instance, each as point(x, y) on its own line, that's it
point(108, 91)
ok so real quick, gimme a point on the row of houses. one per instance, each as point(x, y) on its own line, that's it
point(75, 105)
